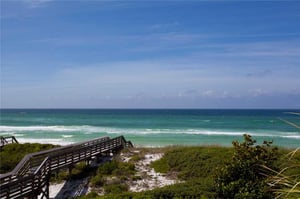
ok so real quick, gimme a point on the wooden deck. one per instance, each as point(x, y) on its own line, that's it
point(30, 178)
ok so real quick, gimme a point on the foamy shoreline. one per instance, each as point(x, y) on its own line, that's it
point(62, 142)
point(68, 131)
point(44, 141)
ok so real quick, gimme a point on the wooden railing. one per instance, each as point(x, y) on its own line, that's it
point(4, 140)
point(30, 177)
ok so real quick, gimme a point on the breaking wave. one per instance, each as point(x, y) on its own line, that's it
point(86, 129)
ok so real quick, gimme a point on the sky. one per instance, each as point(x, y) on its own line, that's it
point(150, 54)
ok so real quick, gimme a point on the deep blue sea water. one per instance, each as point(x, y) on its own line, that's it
point(151, 127)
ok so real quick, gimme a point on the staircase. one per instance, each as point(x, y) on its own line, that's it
point(30, 178)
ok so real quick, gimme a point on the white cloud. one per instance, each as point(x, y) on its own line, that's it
point(36, 3)
point(163, 26)
point(208, 93)
point(257, 92)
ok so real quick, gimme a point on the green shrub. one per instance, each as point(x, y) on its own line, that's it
point(242, 176)
point(124, 169)
point(12, 154)
point(121, 172)
point(115, 188)
point(197, 166)
point(97, 180)
point(116, 168)
point(189, 190)
point(161, 165)
point(192, 162)
point(108, 167)
point(136, 158)
point(90, 195)
point(62, 175)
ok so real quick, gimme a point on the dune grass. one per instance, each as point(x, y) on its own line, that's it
point(195, 167)
point(12, 154)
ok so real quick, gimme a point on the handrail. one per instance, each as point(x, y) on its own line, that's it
point(28, 157)
point(4, 140)
point(32, 172)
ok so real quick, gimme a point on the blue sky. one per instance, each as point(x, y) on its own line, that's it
point(161, 54)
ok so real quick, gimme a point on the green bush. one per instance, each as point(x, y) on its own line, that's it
point(112, 176)
point(115, 188)
point(97, 180)
point(136, 158)
point(12, 154)
point(193, 162)
point(189, 190)
point(243, 177)
point(108, 167)
point(90, 195)
point(197, 166)
point(117, 168)
point(124, 169)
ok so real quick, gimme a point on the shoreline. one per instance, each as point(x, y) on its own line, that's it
point(65, 143)
point(153, 140)
point(152, 127)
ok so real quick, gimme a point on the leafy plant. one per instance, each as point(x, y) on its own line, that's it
point(192, 162)
point(112, 176)
point(115, 188)
point(242, 177)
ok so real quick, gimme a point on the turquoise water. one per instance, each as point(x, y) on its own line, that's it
point(151, 127)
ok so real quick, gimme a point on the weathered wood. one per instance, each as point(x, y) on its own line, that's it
point(4, 140)
point(30, 177)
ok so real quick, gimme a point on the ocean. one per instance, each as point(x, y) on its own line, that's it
point(151, 127)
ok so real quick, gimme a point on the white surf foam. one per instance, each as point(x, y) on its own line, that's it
point(35, 128)
point(51, 128)
point(292, 136)
point(44, 141)
point(86, 129)
point(11, 134)
point(67, 136)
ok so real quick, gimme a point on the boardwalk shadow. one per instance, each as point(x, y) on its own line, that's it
point(73, 188)
point(79, 187)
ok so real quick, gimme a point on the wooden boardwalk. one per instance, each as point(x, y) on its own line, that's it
point(30, 178)
point(4, 140)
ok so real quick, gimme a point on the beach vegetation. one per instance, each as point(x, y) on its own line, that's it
point(12, 154)
point(115, 187)
point(194, 166)
point(243, 175)
point(193, 162)
point(247, 168)
point(78, 171)
point(285, 183)
point(90, 195)
point(213, 171)
point(177, 191)
point(113, 175)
